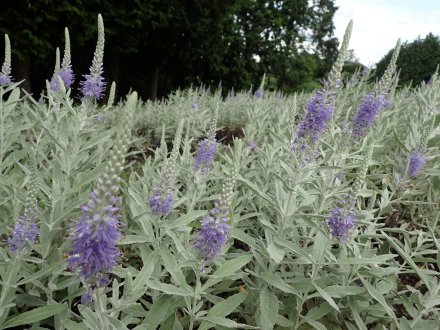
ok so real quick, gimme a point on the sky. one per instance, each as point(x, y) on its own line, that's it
point(377, 24)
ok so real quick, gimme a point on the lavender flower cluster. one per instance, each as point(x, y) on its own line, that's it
point(375, 102)
point(319, 112)
point(205, 155)
point(320, 108)
point(94, 251)
point(26, 230)
point(368, 110)
point(417, 161)
point(259, 93)
point(64, 72)
point(207, 147)
point(341, 221)
point(94, 85)
point(162, 199)
point(5, 74)
point(213, 233)
point(214, 229)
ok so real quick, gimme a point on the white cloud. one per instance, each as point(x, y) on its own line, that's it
point(378, 24)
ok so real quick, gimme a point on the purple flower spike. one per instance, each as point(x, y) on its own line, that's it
point(5, 80)
point(340, 222)
point(161, 203)
point(66, 74)
point(94, 251)
point(5, 74)
point(416, 162)
point(214, 229)
point(93, 240)
point(87, 297)
point(93, 86)
point(25, 231)
point(319, 112)
point(205, 155)
point(212, 235)
point(54, 84)
point(367, 112)
point(259, 93)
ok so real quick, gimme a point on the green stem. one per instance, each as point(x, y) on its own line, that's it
point(157, 232)
point(156, 248)
point(100, 309)
point(195, 300)
point(12, 275)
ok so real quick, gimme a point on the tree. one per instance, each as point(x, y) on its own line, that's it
point(290, 39)
point(417, 60)
point(351, 65)
point(158, 45)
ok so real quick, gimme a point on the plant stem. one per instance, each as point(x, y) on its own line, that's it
point(12, 275)
point(100, 309)
point(194, 300)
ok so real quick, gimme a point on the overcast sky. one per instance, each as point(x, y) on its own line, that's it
point(378, 24)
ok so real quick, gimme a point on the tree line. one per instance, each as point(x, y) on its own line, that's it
point(156, 46)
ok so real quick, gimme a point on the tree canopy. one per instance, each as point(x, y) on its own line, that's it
point(157, 46)
point(417, 60)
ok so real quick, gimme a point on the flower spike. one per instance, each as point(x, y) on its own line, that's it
point(375, 102)
point(66, 72)
point(5, 75)
point(162, 199)
point(94, 85)
point(320, 108)
point(26, 230)
point(94, 252)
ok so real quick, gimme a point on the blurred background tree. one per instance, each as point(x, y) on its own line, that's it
point(156, 46)
point(417, 60)
point(351, 65)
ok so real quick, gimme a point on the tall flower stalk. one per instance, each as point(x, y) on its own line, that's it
point(66, 72)
point(26, 231)
point(373, 103)
point(62, 71)
point(162, 199)
point(259, 93)
point(320, 108)
point(417, 157)
point(5, 74)
point(54, 82)
point(417, 160)
point(93, 251)
point(214, 230)
point(93, 86)
point(207, 147)
point(342, 219)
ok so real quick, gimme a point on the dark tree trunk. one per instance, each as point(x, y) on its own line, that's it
point(22, 70)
